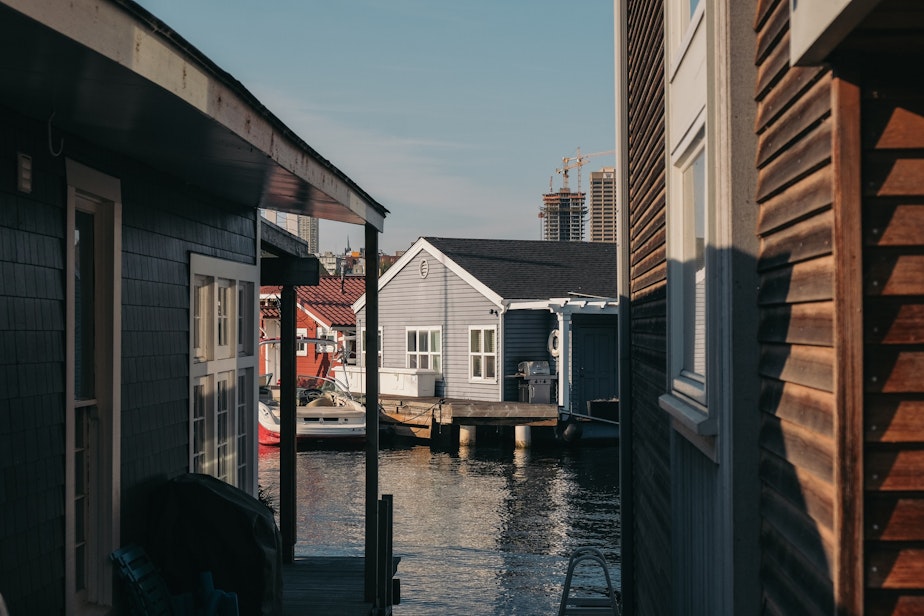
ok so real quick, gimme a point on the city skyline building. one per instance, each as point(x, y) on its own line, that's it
point(308, 231)
point(601, 211)
point(563, 215)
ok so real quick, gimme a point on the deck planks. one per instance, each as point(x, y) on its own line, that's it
point(325, 585)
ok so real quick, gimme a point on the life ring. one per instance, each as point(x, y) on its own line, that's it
point(554, 343)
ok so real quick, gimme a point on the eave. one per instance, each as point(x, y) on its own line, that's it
point(109, 72)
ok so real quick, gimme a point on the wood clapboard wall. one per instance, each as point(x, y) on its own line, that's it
point(796, 312)
point(893, 209)
point(892, 111)
point(648, 273)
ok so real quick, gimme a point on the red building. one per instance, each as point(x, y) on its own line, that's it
point(324, 312)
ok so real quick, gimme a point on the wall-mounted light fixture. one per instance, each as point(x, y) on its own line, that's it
point(493, 311)
point(24, 173)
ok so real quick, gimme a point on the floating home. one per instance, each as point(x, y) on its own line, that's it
point(480, 332)
point(133, 171)
point(769, 166)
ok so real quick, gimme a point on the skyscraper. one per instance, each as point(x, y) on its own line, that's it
point(562, 216)
point(602, 211)
point(308, 231)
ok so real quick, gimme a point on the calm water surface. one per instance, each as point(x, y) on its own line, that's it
point(483, 531)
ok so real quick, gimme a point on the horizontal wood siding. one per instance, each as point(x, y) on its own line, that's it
point(796, 313)
point(441, 299)
point(651, 457)
point(893, 270)
point(526, 336)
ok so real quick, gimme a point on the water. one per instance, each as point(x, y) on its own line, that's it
point(481, 532)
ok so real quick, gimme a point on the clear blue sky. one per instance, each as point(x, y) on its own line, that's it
point(452, 114)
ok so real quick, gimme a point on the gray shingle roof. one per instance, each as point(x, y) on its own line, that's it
point(533, 269)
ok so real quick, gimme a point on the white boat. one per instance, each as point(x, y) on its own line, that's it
point(325, 412)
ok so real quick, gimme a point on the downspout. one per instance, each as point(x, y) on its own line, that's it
point(624, 286)
point(501, 351)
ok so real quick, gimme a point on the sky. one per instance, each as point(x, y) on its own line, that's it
point(453, 114)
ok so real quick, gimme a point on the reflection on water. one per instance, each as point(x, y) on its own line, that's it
point(482, 531)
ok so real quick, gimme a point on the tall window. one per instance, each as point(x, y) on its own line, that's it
point(424, 348)
point(223, 364)
point(482, 353)
point(245, 389)
point(689, 217)
point(245, 318)
point(694, 267)
point(84, 391)
point(93, 386)
point(201, 325)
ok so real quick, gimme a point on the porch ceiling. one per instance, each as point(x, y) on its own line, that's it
point(110, 72)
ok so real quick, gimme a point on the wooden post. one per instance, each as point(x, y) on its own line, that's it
point(287, 372)
point(846, 158)
point(372, 406)
point(288, 272)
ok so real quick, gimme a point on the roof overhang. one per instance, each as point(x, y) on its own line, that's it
point(422, 245)
point(109, 72)
point(818, 26)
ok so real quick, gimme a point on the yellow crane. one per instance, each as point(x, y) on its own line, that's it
point(578, 161)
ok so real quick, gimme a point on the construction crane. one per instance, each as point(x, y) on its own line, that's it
point(578, 161)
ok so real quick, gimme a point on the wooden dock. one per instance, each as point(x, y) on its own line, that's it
point(325, 585)
point(415, 416)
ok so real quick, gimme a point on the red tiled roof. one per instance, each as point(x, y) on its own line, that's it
point(330, 301)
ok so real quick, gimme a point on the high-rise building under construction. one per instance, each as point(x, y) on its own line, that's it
point(602, 207)
point(562, 216)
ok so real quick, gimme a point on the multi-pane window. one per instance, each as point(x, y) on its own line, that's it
point(84, 387)
point(202, 323)
point(92, 386)
point(224, 308)
point(424, 348)
point(224, 444)
point(301, 346)
point(245, 384)
point(482, 353)
point(245, 318)
point(199, 429)
point(690, 217)
point(223, 364)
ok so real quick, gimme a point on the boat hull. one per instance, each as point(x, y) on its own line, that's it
point(315, 423)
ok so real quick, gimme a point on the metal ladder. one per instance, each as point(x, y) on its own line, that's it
point(588, 606)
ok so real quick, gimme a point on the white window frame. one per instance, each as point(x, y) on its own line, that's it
point(690, 107)
point(430, 354)
point(246, 319)
point(222, 440)
point(301, 346)
point(481, 354)
point(100, 195)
